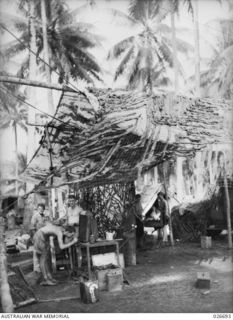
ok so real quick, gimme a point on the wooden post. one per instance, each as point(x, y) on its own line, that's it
point(228, 211)
point(130, 251)
point(168, 209)
point(130, 238)
point(16, 160)
point(35, 83)
point(6, 299)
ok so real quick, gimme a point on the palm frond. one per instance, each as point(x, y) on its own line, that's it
point(87, 60)
point(82, 74)
point(120, 47)
point(15, 47)
point(163, 52)
point(74, 37)
point(190, 6)
point(123, 64)
point(182, 46)
point(142, 10)
point(121, 17)
point(133, 76)
point(23, 70)
point(8, 19)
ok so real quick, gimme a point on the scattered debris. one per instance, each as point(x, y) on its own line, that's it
point(205, 292)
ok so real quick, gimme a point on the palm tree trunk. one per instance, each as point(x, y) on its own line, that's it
point(29, 203)
point(179, 178)
point(174, 46)
point(168, 207)
point(16, 161)
point(197, 49)
point(46, 55)
point(51, 194)
point(32, 76)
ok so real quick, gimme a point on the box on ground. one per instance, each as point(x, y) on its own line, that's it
point(206, 242)
point(105, 259)
point(115, 280)
point(101, 276)
point(203, 280)
point(110, 279)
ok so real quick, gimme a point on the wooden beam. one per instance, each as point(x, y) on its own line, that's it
point(34, 83)
point(6, 299)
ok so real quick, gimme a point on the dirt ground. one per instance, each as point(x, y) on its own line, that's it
point(163, 281)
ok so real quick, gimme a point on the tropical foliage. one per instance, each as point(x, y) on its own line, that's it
point(68, 41)
point(147, 56)
point(220, 72)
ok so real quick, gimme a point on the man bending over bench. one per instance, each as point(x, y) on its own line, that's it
point(42, 248)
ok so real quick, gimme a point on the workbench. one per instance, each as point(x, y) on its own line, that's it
point(101, 243)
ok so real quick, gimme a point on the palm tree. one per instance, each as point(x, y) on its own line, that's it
point(12, 114)
point(175, 8)
point(220, 73)
point(68, 43)
point(147, 56)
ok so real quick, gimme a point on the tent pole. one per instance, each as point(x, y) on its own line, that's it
point(168, 209)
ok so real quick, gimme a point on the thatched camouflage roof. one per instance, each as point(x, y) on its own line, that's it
point(107, 136)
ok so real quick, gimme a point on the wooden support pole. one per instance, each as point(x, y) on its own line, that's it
point(6, 299)
point(130, 238)
point(34, 83)
point(228, 211)
point(168, 209)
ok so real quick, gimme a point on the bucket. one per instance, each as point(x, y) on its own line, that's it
point(206, 242)
point(109, 236)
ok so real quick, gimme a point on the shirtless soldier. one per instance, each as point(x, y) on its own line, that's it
point(42, 249)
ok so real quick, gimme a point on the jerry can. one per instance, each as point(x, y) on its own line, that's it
point(89, 291)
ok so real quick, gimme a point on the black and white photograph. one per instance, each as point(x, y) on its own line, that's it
point(116, 158)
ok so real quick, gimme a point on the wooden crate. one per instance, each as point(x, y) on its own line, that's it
point(101, 276)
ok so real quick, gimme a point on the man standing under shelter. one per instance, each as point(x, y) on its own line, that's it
point(72, 214)
point(38, 220)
